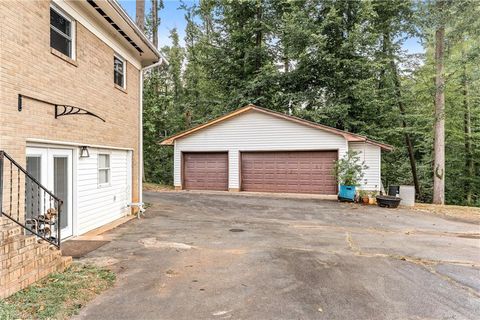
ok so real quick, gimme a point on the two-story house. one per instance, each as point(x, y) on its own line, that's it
point(70, 120)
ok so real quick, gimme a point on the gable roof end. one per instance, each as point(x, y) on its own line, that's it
point(350, 137)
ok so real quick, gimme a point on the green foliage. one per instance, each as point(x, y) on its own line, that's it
point(363, 193)
point(59, 296)
point(339, 63)
point(7, 311)
point(349, 170)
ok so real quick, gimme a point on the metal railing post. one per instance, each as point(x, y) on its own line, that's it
point(59, 226)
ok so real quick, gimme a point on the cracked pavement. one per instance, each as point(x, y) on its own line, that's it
point(295, 259)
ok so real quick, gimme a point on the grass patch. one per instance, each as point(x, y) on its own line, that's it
point(463, 213)
point(148, 186)
point(58, 296)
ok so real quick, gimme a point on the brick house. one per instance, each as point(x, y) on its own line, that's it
point(70, 116)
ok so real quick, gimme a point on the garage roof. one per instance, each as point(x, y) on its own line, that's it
point(350, 137)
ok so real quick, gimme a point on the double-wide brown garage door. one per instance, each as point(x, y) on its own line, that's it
point(205, 171)
point(292, 171)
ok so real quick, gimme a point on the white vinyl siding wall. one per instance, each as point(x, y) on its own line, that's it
point(97, 204)
point(254, 131)
point(372, 156)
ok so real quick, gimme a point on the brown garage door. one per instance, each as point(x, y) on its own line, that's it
point(205, 171)
point(293, 171)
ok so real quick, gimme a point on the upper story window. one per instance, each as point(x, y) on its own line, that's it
point(119, 71)
point(61, 32)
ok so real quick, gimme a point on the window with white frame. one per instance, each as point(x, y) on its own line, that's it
point(61, 32)
point(103, 169)
point(119, 71)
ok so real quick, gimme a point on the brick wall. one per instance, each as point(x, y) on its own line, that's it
point(24, 259)
point(28, 66)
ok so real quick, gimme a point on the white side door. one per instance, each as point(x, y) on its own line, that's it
point(53, 169)
point(60, 182)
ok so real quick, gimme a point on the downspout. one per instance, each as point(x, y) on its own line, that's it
point(140, 135)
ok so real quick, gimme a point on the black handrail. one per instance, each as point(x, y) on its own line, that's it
point(42, 215)
point(29, 175)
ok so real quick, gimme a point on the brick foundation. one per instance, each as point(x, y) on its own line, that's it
point(24, 260)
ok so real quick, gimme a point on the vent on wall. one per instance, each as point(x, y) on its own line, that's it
point(114, 25)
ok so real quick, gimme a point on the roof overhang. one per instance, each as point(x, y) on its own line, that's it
point(350, 137)
point(114, 18)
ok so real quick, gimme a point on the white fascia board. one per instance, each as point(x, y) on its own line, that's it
point(94, 27)
point(121, 11)
point(72, 144)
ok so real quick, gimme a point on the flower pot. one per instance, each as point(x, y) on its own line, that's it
point(388, 201)
point(365, 200)
point(372, 200)
point(346, 193)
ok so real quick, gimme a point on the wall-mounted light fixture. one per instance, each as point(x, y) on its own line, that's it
point(84, 152)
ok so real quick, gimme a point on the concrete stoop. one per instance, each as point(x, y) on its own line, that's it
point(24, 259)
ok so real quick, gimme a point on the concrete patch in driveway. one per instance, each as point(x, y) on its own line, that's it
point(154, 243)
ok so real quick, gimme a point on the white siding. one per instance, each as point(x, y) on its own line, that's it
point(99, 205)
point(254, 131)
point(372, 156)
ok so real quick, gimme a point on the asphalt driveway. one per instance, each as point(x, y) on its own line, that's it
point(211, 256)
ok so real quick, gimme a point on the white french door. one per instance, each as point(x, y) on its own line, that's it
point(53, 169)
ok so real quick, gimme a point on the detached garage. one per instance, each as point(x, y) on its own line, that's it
point(256, 149)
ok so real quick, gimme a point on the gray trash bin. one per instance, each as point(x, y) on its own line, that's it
point(407, 194)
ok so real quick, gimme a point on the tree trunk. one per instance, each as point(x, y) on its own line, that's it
point(286, 64)
point(439, 144)
point(258, 37)
point(140, 14)
point(155, 23)
point(408, 141)
point(469, 165)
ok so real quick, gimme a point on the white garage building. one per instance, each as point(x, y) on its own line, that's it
point(256, 149)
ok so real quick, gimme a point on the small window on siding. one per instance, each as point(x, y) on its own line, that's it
point(103, 169)
point(61, 32)
point(119, 71)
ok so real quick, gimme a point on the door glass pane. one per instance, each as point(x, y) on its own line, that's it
point(60, 186)
point(32, 198)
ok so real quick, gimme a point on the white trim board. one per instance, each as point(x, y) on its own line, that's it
point(74, 144)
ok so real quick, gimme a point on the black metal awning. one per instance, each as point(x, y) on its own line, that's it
point(60, 109)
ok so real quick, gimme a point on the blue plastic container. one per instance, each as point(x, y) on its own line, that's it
point(346, 193)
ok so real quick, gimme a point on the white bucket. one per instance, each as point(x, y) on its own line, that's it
point(407, 194)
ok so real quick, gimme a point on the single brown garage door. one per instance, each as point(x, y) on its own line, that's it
point(292, 171)
point(205, 171)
